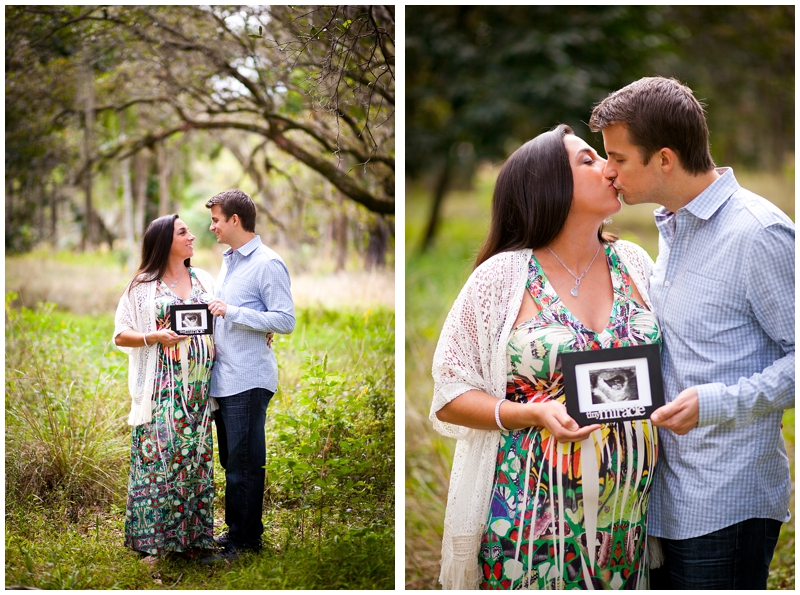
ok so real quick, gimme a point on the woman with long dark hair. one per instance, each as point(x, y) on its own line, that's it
point(170, 504)
point(535, 500)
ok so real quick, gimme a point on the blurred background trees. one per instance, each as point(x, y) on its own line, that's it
point(481, 80)
point(118, 114)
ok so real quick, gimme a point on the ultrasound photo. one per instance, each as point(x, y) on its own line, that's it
point(614, 385)
point(191, 319)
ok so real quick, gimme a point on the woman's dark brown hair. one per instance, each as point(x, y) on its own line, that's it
point(156, 245)
point(532, 196)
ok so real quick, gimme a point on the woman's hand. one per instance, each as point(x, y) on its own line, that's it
point(166, 337)
point(553, 416)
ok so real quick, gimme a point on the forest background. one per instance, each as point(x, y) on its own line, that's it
point(481, 81)
point(116, 115)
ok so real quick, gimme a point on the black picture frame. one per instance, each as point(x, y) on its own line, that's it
point(191, 319)
point(613, 385)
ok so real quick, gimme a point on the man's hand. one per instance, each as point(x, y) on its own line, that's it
point(681, 415)
point(269, 339)
point(218, 307)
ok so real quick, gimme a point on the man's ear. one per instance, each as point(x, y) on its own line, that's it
point(668, 159)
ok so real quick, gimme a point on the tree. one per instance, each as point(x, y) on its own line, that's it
point(215, 73)
point(316, 83)
point(741, 62)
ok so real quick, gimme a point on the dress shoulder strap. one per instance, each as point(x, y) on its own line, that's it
point(536, 282)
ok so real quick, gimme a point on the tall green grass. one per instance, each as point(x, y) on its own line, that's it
point(433, 281)
point(329, 513)
point(64, 426)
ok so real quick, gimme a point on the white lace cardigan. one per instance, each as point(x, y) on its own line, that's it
point(471, 354)
point(137, 311)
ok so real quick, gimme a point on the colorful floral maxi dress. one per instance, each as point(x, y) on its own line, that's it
point(569, 515)
point(171, 482)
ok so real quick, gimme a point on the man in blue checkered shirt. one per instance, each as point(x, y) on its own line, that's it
point(253, 299)
point(723, 291)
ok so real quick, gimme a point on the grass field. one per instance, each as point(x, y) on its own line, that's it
point(329, 504)
point(433, 280)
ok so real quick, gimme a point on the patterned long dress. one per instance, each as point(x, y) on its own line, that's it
point(570, 515)
point(171, 483)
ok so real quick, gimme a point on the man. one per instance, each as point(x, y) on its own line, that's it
point(723, 291)
point(253, 298)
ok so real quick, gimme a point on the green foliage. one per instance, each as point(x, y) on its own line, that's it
point(484, 79)
point(190, 80)
point(329, 522)
point(333, 442)
point(63, 423)
point(781, 571)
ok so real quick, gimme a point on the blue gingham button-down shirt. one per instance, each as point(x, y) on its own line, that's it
point(723, 291)
point(255, 285)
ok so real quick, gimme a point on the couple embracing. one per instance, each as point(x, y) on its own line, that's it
point(537, 501)
point(180, 382)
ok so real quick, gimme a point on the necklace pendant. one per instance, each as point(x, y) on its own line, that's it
point(574, 291)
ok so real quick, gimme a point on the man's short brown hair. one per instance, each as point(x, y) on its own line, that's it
point(659, 112)
point(236, 202)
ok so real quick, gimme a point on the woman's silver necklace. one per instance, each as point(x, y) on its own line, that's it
point(574, 290)
point(172, 286)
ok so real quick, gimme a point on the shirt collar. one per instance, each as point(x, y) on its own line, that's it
point(709, 200)
point(704, 205)
point(712, 198)
point(245, 250)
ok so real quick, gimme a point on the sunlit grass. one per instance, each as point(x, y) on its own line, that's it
point(67, 445)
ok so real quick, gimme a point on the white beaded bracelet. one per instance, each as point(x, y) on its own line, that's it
point(144, 336)
point(497, 415)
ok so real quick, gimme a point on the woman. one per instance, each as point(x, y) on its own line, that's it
point(536, 501)
point(171, 482)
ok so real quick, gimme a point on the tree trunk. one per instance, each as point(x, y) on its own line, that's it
point(87, 88)
point(9, 205)
point(442, 185)
point(378, 244)
point(340, 233)
point(55, 199)
point(140, 193)
point(127, 200)
point(163, 180)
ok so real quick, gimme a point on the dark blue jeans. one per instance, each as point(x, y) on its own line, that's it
point(736, 557)
point(240, 423)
